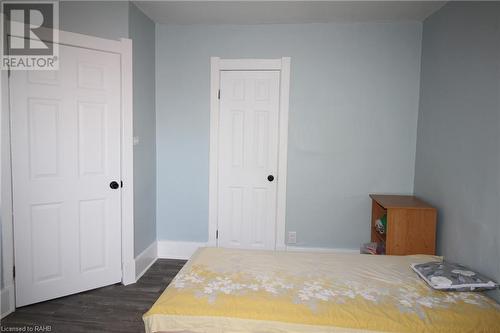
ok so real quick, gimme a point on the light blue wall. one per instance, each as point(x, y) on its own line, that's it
point(142, 32)
point(458, 149)
point(106, 19)
point(352, 129)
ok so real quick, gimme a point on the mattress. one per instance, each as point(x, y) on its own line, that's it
point(226, 290)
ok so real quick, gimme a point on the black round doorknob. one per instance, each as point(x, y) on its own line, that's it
point(270, 178)
point(114, 185)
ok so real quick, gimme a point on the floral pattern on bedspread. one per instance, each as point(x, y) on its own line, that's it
point(341, 290)
point(314, 290)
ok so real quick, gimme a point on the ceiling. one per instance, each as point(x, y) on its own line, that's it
point(281, 12)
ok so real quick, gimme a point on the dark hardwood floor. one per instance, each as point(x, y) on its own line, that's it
point(115, 308)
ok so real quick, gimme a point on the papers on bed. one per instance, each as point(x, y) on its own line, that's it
point(443, 275)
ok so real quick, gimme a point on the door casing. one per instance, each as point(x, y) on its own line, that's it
point(216, 66)
point(123, 48)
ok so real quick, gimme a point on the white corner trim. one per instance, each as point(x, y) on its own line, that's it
point(145, 260)
point(178, 249)
point(127, 163)
point(213, 151)
point(321, 250)
point(283, 153)
point(128, 272)
point(7, 251)
point(216, 66)
point(7, 300)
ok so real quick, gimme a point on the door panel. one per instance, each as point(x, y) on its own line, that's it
point(92, 223)
point(46, 224)
point(248, 153)
point(44, 126)
point(65, 152)
point(91, 138)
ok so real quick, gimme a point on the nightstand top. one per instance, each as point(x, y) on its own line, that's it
point(400, 201)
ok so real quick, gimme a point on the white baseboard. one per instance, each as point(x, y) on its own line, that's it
point(184, 250)
point(320, 250)
point(145, 260)
point(7, 304)
point(177, 250)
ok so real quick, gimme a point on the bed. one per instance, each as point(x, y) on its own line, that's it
point(226, 290)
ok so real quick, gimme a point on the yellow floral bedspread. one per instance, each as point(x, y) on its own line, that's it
point(222, 290)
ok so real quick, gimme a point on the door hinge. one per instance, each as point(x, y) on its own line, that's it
point(218, 94)
point(217, 234)
point(14, 272)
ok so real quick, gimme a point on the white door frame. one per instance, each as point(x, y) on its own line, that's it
point(216, 66)
point(7, 294)
point(123, 48)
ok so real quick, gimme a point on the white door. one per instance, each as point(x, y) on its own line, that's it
point(248, 158)
point(65, 152)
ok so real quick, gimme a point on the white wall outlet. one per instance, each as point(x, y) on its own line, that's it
point(292, 237)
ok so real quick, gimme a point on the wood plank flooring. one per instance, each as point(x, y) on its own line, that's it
point(115, 308)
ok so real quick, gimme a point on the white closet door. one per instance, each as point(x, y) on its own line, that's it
point(248, 158)
point(65, 152)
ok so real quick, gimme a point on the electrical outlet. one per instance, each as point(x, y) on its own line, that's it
point(292, 237)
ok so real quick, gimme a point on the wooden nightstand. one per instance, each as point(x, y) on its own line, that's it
point(411, 224)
